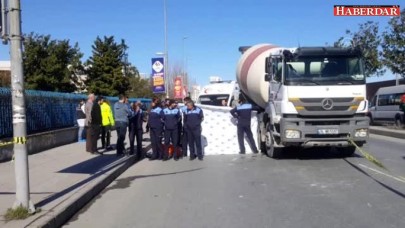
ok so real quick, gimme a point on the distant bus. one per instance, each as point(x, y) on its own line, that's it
point(384, 106)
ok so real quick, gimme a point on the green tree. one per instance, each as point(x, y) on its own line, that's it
point(106, 67)
point(139, 87)
point(393, 45)
point(50, 64)
point(368, 40)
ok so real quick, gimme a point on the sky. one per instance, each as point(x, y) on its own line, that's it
point(214, 28)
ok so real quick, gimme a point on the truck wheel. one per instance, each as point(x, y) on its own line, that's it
point(346, 151)
point(271, 150)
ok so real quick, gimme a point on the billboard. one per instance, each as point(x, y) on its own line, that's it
point(178, 88)
point(158, 75)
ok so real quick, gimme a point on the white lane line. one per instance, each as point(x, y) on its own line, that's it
point(382, 173)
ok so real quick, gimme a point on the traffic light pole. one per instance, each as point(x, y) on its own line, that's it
point(18, 104)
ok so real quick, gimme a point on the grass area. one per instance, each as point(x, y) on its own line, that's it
point(17, 213)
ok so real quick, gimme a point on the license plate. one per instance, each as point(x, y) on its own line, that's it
point(328, 131)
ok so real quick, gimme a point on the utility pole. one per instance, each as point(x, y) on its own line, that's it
point(166, 56)
point(18, 104)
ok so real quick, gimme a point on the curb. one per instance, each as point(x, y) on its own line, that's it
point(389, 133)
point(59, 215)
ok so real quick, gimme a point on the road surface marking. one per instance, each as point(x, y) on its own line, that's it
point(382, 173)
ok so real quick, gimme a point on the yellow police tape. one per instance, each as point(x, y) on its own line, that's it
point(373, 159)
point(16, 140)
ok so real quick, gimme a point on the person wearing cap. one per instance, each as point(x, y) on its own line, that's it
point(243, 113)
point(192, 122)
point(155, 122)
point(108, 123)
point(171, 119)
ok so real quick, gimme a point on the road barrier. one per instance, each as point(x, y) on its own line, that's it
point(45, 110)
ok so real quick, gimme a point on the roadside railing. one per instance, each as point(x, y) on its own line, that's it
point(45, 110)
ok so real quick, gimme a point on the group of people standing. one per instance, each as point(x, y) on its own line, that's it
point(96, 116)
point(179, 126)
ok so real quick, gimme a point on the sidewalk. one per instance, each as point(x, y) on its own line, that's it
point(62, 180)
point(388, 131)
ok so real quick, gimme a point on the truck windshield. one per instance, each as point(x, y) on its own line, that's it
point(309, 70)
point(215, 99)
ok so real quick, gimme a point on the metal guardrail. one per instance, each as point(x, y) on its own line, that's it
point(45, 110)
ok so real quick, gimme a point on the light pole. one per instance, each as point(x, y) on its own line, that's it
point(184, 58)
point(166, 55)
point(19, 115)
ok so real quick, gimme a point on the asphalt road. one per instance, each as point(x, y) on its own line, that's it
point(312, 188)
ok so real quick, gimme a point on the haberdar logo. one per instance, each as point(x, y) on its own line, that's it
point(367, 10)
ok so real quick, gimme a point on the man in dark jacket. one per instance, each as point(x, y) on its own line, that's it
point(171, 119)
point(192, 123)
point(136, 130)
point(243, 113)
point(95, 125)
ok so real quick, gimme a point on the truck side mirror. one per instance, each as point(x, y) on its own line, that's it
point(267, 77)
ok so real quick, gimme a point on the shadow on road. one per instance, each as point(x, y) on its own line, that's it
point(92, 165)
point(377, 181)
point(102, 164)
point(126, 182)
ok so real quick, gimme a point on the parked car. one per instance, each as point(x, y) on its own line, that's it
point(384, 107)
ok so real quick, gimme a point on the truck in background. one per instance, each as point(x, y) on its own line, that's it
point(310, 96)
point(219, 91)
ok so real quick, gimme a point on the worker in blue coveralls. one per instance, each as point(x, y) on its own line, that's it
point(171, 119)
point(156, 128)
point(184, 139)
point(243, 113)
point(192, 123)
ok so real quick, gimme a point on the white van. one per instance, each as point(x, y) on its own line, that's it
point(219, 91)
point(384, 107)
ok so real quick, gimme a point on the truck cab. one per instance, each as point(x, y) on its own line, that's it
point(317, 97)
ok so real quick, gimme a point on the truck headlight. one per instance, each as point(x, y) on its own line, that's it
point(361, 133)
point(292, 134)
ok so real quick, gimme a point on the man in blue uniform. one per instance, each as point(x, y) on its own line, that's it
point(243, 113)
point(155, 122)
point(192, 123)
point(172, 118)
point(184, 139)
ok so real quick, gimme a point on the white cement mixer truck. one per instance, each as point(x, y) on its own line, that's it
point(310, 96)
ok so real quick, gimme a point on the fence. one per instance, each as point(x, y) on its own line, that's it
point(45, 110)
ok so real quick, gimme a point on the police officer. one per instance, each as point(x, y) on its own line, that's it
point(155, 122)
point(243, 113)
point(192, 123)
point(184, 139)
point(172, 118)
